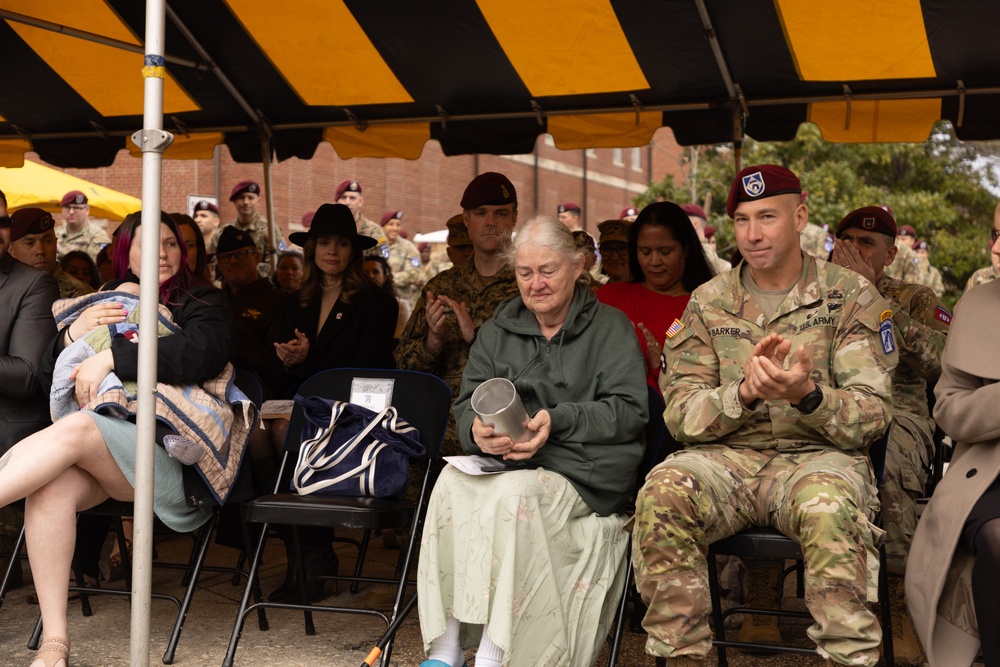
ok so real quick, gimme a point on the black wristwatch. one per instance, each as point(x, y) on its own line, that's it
point(810, 401)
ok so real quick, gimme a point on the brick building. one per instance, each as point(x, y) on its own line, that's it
point(602, 181)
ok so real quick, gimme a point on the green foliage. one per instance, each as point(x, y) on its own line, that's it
point(941, 187)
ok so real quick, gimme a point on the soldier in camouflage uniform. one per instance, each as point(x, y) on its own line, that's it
point(403, 258)
point(456, 302)
point(929, 275)
point(865, 243)
point(905, 267)
point(78, 232)
point(778, 378)
point(348, 193)
point(33, 242)
point(246, 198)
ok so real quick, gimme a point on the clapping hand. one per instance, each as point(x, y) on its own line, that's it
point(293, 352)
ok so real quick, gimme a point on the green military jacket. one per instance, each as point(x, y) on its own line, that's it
point(90, 239)
point(407, 272)
point(842, 322)
point(980, 277)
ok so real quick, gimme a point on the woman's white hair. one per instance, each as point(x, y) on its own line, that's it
point(546, 232)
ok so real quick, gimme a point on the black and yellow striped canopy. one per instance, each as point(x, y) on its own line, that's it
point(381, 78)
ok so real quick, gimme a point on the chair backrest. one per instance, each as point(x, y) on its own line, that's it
point(420, 398)
point(249, 385)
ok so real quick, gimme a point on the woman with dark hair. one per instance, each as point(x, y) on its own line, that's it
point(377, 268)
point(79, 264)
point(197, 255)
point(337, 319)
point(666, 264)
point(288, 276)
point(88, 456)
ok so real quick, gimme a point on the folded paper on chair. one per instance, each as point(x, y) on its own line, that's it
point(348, 450)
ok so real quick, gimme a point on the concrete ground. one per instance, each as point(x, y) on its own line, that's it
point(340, 641)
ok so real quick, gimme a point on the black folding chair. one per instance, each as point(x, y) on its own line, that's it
point(659, 444)
point(422, 400)
point(242, 491)
point(766, 542)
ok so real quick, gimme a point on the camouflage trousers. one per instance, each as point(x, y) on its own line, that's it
point(907, 464)
point(823, 499)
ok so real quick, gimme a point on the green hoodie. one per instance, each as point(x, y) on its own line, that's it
point(591, 377)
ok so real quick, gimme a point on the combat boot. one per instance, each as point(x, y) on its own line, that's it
point(906, 647)
point(765, 593)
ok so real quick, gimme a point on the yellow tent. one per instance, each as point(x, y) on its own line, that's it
point(37, 185)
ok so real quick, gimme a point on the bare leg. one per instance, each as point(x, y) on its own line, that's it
point(38, 459)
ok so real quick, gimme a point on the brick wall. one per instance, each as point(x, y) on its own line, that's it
point(427, 190)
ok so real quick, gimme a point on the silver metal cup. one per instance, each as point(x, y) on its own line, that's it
point(498, 405)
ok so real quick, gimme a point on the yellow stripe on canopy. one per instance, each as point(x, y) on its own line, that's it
point(853, 40)
point(348, 70)
point(405, 140)
point(12, 153)
point(109, 79)
point(565, 49)
point(610, 130)
point(199, 146)
point(876, 121)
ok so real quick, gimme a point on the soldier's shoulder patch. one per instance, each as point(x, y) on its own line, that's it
point(942, 314)
point(886, 315)
point(415, 261)
point(675, 328)
point(887, 336)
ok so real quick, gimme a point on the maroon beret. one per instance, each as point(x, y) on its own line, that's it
point(423, 245)
point(569, 207)
point(489, 189)
point(74, 197)
point(760, 182)
point(205, 205)
point(695, 210)
point(307, 219)
point(709, 231)
point(30, 221)
point(346, 186)
point(922, 245)
point(390, 215)
point(244, 186)
point(869, 218)
point(628, 212)
point(906, 230)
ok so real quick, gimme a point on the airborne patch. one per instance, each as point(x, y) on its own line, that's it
point(942, 314)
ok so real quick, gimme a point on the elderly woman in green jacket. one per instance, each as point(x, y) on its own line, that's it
point(528, 563)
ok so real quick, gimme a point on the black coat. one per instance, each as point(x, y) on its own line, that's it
point(355, 335)
point(26, 327)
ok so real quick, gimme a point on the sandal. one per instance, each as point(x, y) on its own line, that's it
point(60, 647)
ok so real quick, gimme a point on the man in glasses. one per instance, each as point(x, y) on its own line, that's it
point(254, 299)
point(613, 245)
point(992, 271)
point(77, 232)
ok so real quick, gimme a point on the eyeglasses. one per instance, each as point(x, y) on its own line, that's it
point(235, 256)
point(75, 207)
point(994, 234)
point(620, 250)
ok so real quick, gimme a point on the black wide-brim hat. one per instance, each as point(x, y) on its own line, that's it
point(334, 220)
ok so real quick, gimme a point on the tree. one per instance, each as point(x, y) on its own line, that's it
point(942, 187)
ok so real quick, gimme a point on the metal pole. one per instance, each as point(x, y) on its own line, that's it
point(152, 140)
point(265, 150)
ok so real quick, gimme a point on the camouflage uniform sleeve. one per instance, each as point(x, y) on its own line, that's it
point(856, 411)
point(922, 330)
point(411, 272)
point(698, 408)
point(936, 283)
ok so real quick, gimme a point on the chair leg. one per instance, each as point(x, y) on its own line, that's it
point(15, 555)
point(36, 635)
point(713, 589)
point(619, 625)
point(300, 563)
point(362, 550)
point(241, 613)
point(196, 561)
point(885, 607)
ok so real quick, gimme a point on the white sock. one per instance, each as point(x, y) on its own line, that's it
point(489, 654)
point(445, 648)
